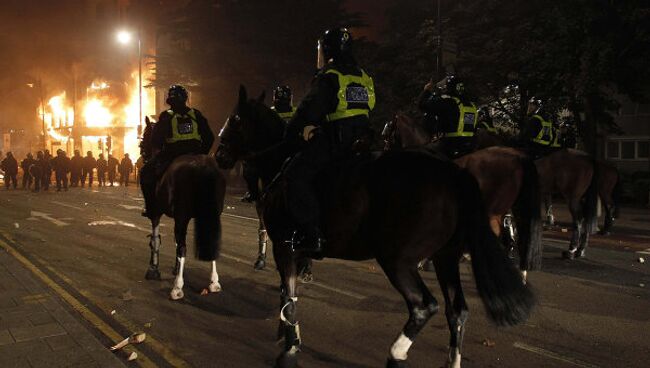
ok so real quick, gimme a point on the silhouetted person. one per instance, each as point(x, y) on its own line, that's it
point(112, 164)
point(76, 163)
point(61, 166)
point(10, 167)
point(89, 164)
point(37, 171)
point(25, 164)
point(126, 168)
point(47, 170)
point(102, 165)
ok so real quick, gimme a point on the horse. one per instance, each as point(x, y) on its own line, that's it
point(397, 208)
point(192, 187)
point(507, 179)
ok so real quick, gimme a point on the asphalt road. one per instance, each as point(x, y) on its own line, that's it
point(591, 313)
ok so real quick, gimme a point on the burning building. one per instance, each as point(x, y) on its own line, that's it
point(105, 120)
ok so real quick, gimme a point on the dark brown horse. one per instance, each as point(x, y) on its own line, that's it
point(398, 208)
point(192, 187)
point(507, 178)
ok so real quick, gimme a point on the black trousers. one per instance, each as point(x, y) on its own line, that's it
point(27, 180)
point(302, 201)
point(61, 180)
point(9, 178)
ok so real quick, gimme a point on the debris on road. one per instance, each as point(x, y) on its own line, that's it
point(565, 230)
point(148, 325)
point(641, 285)
point(16, 225)
point(129, 356)
point(136, 338)
point(113, 312)
point(489, 343)
point(641, 260)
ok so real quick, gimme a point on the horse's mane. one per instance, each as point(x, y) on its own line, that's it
point(269, 126)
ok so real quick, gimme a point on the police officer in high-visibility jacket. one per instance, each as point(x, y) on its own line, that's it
point(179, 131)
point(452, 115)
point(328, 123)
point(283, 106)
point(283, 102)
point(536, 135)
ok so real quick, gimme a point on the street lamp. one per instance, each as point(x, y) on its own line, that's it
point(124, 37)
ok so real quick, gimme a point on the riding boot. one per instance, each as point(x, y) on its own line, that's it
point(149, 194)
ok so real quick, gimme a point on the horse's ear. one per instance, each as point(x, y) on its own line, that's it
point(147, 121)
point(243, 96)
point(262, 96)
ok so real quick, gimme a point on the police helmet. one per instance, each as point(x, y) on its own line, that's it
point(334, 43)
point(454, 86)
point(535, 104)
point(282, 94)
point(176, 94)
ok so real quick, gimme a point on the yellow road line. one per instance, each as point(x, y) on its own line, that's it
point(91, 317)
point(155, 345)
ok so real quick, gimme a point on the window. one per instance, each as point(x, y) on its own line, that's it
point(612, 149)
point(627, 150)
point(642, 150)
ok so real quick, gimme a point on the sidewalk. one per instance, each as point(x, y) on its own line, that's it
point(36, 330)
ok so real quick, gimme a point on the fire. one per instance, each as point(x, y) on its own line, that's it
point(100, 115)
point(97, 114)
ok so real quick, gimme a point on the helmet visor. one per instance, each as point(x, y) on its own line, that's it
point(320, 61)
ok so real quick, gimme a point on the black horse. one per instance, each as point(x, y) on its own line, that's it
point(192, 187)
point(398, 208)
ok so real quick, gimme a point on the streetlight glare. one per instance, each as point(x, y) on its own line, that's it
point(124, 37)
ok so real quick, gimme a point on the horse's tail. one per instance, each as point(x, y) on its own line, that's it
point(590, 208)
point(507, 300)
point(208, 206)
point(528, 215)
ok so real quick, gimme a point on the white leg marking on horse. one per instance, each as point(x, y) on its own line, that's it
point(454, 358)
point(524, 276)
point(177, 291)
point(400, 348)
point(214, 287)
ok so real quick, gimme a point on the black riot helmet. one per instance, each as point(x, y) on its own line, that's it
point(336, 42)
point(454, 86)
point(535, 105)
point(282, 95)
point(176, 95)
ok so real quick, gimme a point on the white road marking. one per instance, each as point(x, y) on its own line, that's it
point(129, 207)
point(49, 218)
point(647, 251)
point(240, 217)
point(553, 355)
point(118, 222)
point(351, 294)
point(66, 205)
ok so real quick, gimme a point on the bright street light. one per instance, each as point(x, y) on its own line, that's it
point(124, 37)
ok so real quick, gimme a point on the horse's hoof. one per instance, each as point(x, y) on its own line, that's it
point(176, 294)
point(392, 363)
point(567, 254)
point(214, 287)
point(580, 253)
point(152, 275)
point(260, 264)
point(307, 277)
point(287, 360)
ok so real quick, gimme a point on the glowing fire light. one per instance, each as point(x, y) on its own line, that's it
point(96, 114)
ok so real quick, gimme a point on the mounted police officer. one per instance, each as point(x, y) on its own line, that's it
point(330, 120)
point(537, 134)
point(450, 114)
point(283, 106)
point(181, 130)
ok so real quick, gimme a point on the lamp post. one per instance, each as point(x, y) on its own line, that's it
point(124, 37)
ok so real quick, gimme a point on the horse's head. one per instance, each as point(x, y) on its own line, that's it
point(145, 143)
point(403, 132)
point(251, 127)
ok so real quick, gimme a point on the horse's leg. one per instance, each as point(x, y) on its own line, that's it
point(421, 304)
point(215, 286)
point(508, 235)
point(262, 238)
point(575, 207)
point(548, 203)
point(153, 273)
point(180, 232)
point(455, 306)
point(288, 329)
point(609, 219)
point(304, 270)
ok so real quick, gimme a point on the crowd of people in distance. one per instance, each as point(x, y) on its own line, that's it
point(75, 171)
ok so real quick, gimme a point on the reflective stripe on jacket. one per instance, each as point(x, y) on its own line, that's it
point(356, 96)
point(184, 127)
point(545, 134)
point(467, 120)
